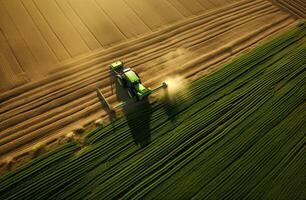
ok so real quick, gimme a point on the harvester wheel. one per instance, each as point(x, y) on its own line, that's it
point(121, 81)
point(131, 94)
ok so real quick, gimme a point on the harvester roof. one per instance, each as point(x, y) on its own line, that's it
point(131, 76)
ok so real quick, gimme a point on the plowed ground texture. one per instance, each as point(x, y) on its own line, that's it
point(296, 7)
point(237, 134)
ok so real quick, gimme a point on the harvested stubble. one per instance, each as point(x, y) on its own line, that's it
point(239, 135)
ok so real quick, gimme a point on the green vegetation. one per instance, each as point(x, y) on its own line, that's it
point(238, 134)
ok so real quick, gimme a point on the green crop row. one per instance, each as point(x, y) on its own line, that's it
point(195, 126)
point(237, 133)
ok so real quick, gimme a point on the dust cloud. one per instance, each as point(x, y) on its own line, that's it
point(177, 83)
point(177, 87)
point(170, 63)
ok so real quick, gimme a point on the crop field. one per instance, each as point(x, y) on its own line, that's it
point(238, 133)
point(41, 102)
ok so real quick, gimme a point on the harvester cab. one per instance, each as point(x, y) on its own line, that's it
point(127, 78)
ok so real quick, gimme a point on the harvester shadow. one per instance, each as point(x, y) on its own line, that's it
point(138, 116)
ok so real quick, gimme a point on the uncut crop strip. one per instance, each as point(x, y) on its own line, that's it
point(60, 105)
point(247, 108)
point(231, 112)
point(115, 186)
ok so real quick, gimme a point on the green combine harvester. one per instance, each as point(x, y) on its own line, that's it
point(130, 80)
